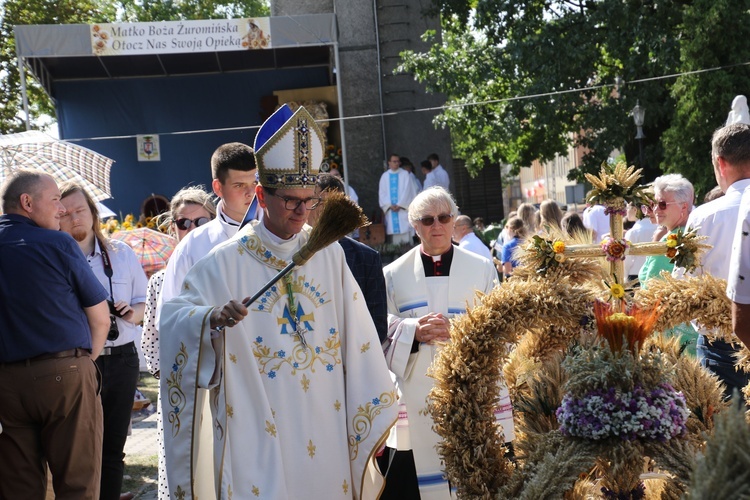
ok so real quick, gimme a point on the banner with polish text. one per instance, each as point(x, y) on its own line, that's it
point(177, 37)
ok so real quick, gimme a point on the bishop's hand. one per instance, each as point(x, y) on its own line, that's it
point(228, 315)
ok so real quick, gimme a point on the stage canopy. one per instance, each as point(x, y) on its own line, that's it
point(159, 97)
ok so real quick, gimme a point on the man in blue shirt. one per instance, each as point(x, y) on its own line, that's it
point(53, 315)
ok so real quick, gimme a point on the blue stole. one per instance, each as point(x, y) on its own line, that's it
point(393, 182)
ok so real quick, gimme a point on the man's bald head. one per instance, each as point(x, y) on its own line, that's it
point(462, 227)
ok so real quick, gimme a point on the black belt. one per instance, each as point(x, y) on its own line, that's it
point(70, 353)
point(119, 350)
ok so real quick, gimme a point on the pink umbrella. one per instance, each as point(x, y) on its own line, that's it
point(151, 247)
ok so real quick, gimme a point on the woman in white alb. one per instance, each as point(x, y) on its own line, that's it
point(426, 287)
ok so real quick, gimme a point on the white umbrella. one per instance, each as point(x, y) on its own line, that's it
point(64, 161)
point(104, 211)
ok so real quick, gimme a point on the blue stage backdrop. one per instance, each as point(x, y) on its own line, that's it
point(166, 105)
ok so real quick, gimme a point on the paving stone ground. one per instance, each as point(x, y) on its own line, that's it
point(142, 441)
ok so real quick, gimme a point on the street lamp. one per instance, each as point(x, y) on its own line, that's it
point(639, 113)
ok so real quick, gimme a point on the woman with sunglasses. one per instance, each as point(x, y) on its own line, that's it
point(190, 208)
point(426, 287)
point(673, 202)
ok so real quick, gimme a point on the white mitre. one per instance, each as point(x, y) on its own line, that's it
point(289, 150)
point(739, 112)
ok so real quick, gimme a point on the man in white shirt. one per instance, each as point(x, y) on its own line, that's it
point(738, 285)
point(395, 192)
point(429, 177)
point(117, 268)
point(233, 171)
point(717, 221)
point(441, 176)
point(597, 221)
point(641, 232)
point(463, 234)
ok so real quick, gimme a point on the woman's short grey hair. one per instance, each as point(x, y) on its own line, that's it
point(430, 200)
point(676, 184)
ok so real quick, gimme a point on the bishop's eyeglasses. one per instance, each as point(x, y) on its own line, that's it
point(294, 203)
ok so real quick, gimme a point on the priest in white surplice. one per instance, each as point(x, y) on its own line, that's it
point(395, 192)
point(428, 285)
point(301, 398)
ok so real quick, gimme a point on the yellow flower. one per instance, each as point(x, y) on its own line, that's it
point(617, 291)
point(671, 243)
point(129, 218)
point(558, 246)
point(672, 237)
point(619, 317)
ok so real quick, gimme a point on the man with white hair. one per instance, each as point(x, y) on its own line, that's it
point(426, 287)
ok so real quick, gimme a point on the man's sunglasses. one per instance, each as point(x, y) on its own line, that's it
point(430, 220)
point(185, 224)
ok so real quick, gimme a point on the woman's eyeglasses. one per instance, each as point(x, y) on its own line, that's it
point(661, 205)
point(430, 220)
point(186, 224)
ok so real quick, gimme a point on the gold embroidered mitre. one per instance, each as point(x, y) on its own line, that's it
point(289, 149)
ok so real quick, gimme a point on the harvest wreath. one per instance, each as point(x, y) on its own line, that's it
point(597, 391)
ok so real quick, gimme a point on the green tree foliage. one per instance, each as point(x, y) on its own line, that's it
point(545, 74)
point(173, 10)
point(703, 99)
point(16, 12)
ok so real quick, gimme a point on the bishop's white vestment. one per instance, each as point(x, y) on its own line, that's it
point(396, 188)
point(287, 421)
point(410, 296)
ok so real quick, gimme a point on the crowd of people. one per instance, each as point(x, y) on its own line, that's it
point(317, 389)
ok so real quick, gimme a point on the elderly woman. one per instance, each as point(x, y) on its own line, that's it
point(190, 208)
point(425, 288)
point(673, 201)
